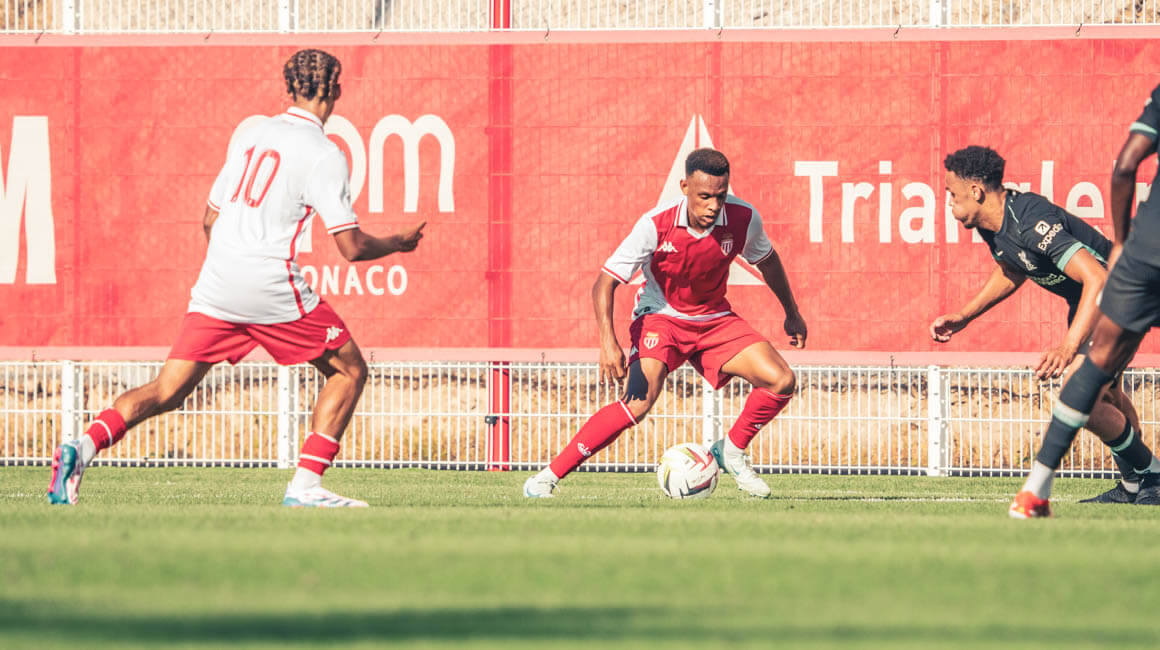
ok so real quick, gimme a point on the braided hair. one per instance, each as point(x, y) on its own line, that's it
point(312, 74)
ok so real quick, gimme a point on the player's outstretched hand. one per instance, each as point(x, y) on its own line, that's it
point(1053, 362)
point(795, 327)
point(612, 364)
point(945, 326)
point(409, 238)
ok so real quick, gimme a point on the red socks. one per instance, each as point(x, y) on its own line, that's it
point(318, 453)
point(761, 407)
point(597, 433)
point(107, 429)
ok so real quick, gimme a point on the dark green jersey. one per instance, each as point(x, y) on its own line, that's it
point(1039, 238)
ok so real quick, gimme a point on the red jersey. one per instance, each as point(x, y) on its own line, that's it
point(686, 271)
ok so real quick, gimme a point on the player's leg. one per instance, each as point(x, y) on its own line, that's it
point(1115, 422)
point(346, 375)
point(167, 391)
point(773, 384)
point(646, 377)
point(1111, 350)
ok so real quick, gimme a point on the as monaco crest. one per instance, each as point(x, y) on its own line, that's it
point(650, 340)
point(726, 243)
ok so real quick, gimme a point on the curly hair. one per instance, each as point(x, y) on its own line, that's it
point(312, 74)
point(977, 163)
point(710, 161)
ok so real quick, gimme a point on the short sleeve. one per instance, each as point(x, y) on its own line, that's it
point(634, 252)
point(757, 246)
point(217, 193)
point(328, 192)
point(1149, 121)
point(1046, 233)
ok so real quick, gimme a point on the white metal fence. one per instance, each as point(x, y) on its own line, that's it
point(844, 419)
point(206, 16)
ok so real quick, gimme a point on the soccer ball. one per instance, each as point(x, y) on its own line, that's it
point(687, 471)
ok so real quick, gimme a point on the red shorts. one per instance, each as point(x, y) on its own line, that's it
point(707, 345)
point(204, 338)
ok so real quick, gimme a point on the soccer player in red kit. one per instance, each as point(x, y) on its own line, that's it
point(250, 291)
point(685, 248)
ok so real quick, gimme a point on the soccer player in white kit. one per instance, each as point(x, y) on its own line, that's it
point(277, 177)
point(685, 249)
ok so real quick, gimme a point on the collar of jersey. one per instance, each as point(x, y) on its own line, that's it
point(683, 219)
point(304, 114)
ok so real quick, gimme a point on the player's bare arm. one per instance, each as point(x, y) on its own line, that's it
point(612, 361)
point(1084, 268)
point(357, 246)
point(211, 216)
point(1136, 148)
point(773, 273)
point(1003, 282)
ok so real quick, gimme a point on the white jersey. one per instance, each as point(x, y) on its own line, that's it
point(277, 176)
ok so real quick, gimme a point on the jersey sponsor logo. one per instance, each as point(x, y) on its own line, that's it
point(332, 333)
point(650, 340)
point(1042, 228)
point(1026, 261)
point(667, 247)
point(726, 243)
point(26, 201)
point(1050, 280)
point(1049, 237)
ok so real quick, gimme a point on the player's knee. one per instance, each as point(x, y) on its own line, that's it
point(359, 372)
point(781, 383)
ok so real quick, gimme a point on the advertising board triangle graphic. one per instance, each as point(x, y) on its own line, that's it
point(697, 136)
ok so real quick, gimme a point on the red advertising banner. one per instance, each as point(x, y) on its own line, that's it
point(531, 161)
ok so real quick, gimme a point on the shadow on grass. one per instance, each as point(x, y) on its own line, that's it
point(52, 623)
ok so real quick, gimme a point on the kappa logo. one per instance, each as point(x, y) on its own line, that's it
point(667, 247)
point(632, 352)
point(1027, 262)
point(1042, 228)
point(726, 243)
point(583, 449)
point(650, 340)
point(332, 333)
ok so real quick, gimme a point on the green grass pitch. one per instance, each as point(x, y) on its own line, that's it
point(206, 558)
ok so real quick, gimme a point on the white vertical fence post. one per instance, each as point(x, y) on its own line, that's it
point(938, 411)
point(712, 14)
point(938, 13)
point(68, 16)
point(70, 392)
point(710, 413)
point(284, 15)
point(285, 449)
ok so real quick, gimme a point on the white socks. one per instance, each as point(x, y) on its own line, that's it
point(88, 450)
point(305, 479)
point(546, 474)
point(732, 452)
point(1039, 481)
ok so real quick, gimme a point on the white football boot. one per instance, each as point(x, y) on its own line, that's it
point(541, 485)
point(319, 497)
point(740, 468)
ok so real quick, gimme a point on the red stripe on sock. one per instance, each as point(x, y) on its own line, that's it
point(318, 453)
point(597, 433)
point(107, 429)
point(760, 407)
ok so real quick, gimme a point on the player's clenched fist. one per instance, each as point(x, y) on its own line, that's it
point(408, 239)
point(945, 326)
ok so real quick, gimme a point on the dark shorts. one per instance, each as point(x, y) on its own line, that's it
point(1131, 297)
point(207, 339)
point(707, 345)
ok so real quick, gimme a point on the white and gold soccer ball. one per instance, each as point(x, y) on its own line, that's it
point(687, 471)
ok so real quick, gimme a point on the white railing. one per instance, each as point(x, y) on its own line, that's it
point(210, 16)
point(477, 415)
